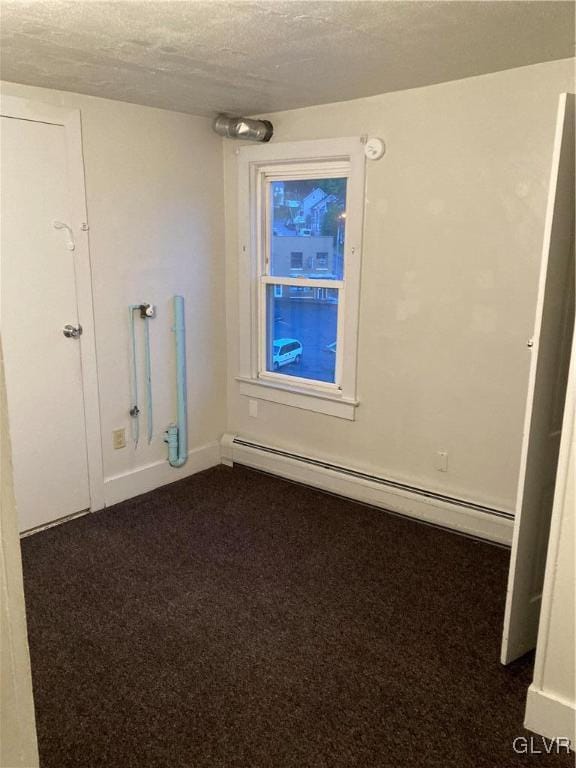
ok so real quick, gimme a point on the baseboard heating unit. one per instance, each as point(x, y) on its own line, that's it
point(462, 515)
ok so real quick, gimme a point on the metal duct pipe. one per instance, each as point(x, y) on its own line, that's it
point(243, 128)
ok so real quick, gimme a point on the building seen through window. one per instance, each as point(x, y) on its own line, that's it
point(308, 223)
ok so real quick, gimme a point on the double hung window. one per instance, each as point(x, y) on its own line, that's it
point(300, 227)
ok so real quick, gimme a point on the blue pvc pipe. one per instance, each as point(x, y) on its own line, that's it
point(177, 434)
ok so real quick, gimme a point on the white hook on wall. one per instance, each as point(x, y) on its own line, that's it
point(60, 225)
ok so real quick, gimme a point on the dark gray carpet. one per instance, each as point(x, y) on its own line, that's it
point(235, 619)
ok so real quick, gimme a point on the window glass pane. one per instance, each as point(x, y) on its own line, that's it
point(301, 331)
point(308, 228)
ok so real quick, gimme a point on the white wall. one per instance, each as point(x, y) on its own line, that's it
point(155, 207)
point(453, 236)
point(18, 745)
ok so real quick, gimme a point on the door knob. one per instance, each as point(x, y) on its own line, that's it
point(72, 331)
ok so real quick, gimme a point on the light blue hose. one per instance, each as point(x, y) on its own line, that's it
point(149, 422)
point(134, 410)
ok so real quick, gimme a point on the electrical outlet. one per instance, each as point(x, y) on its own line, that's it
point(442, 461)
point(119, 438)
point(253, 408)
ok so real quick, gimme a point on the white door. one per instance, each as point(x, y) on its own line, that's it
point(553, 328)
point(38, 298)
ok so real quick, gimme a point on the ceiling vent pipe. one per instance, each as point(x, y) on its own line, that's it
point(243, 128)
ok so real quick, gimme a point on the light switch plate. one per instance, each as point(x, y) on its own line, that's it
point(119, 438)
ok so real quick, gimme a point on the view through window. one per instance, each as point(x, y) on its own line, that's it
point(307, 226)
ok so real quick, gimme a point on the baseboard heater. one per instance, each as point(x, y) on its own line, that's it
point(500, 530)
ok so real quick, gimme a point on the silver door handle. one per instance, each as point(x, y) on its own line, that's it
point(72, 331)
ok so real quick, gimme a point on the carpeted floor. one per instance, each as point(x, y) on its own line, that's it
point(235, 619)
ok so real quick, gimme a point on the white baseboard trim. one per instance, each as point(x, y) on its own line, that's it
point(479, 522)
point(549, 715)
point(53, 523)
point(143, 479)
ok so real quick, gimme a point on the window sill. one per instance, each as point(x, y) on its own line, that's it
point(296, 397)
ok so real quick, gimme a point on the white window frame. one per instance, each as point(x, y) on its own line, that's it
point(257, 165)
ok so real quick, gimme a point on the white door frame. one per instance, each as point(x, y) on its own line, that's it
point(523, 596)
point(69, 119)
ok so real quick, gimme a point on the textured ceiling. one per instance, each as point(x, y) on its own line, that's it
point(257, 57)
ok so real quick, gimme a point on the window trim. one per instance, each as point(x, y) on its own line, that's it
point(288, 161)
